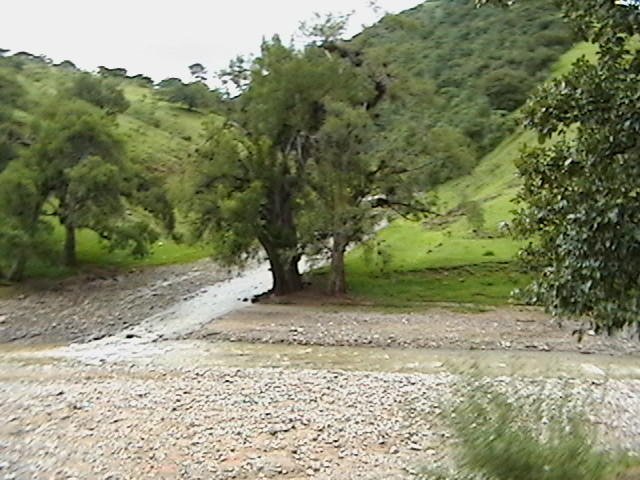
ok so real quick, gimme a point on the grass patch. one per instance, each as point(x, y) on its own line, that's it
point(92, 252)
point(472, 286)
point(564, 63)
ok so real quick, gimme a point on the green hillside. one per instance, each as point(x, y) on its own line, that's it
point(448, 258)
point(466, 68)
point(159, 138)
point(444, 259)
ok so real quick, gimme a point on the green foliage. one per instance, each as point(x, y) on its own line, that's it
point(353, 186)
point(509, 435)
point(472, 209)
point(158, 138)
point(84, 176)
point(22, 233)
point(11, 95)
point(194, 95)
point(67, 65)
point(581, 191)
point(225, 189)
point(104, 93)
point(437, 260)
point(480, 64)
point(506, 88)
point(299, 127)
point(112, 72)
point(151, 157)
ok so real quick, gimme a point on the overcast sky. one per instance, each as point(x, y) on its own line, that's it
point(162, 38)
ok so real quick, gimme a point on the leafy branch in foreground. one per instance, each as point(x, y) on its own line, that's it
point(581, 190)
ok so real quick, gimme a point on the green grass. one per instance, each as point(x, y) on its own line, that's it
point(426, 262)
point(92, 253)
point(563, 65)
point(484, 284)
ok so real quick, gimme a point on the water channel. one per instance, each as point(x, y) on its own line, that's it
point(148, 343)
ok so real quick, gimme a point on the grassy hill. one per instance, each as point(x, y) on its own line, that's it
point(466, 68)
point(444, 259)
point(447, 258)
point(159, 136)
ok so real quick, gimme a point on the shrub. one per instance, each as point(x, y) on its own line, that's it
point(504, 435)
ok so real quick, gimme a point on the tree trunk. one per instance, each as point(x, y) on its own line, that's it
point(70, 244)
point(280, 240)
point(285, 273)
point(16, 272)
point(337, 277)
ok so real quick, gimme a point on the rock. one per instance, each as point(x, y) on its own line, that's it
point(282, 428)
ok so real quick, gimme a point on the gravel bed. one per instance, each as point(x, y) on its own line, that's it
point(98, 304)
point(510, 328)
point(68, 422)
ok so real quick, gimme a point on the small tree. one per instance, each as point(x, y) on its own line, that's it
point(104, 93)
point(198, 71)
point(22, 233)
point(193, 95)
point(85, 175)
point(354, 187)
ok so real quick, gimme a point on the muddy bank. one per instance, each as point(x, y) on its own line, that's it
point(508, 328)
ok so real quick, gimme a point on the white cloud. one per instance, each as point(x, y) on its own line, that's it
point(161, 39)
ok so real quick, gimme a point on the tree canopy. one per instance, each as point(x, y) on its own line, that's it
point(296, 167)
point(102, 92)
point(466, 68)
point(63, 161)
point(194, 95)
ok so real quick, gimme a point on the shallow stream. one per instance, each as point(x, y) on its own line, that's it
point(203, 354)
point(149, 343)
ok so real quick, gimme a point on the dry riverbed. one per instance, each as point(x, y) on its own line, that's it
point(74, 417)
